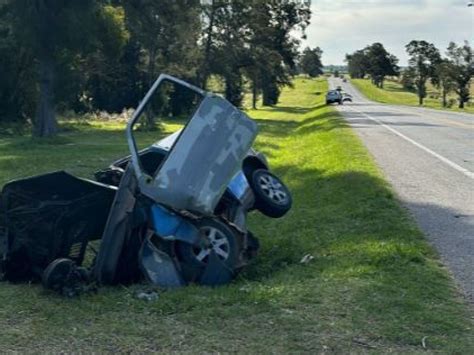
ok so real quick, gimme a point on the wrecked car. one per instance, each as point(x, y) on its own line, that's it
point(173, 213)
point(268, 193)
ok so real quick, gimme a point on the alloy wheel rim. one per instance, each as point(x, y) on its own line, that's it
point(216, 241)
point(273, 189)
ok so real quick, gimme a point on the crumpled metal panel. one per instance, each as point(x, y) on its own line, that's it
point(206, 156)
point(158, 267)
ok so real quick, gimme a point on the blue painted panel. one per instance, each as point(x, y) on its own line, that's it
point(171, 226)
point(165, 222)
point(238, 185)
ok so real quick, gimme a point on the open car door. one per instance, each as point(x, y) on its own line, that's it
point(205, 157)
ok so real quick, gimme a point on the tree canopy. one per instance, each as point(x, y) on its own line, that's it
point(103, 54)
point(460, 69)
point(373, 60)
point(424, 57)
point(310, 62)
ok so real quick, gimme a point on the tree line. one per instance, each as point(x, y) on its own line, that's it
point(451, 73)
point(91, 55)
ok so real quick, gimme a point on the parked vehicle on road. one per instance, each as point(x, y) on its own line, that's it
point(334, 96)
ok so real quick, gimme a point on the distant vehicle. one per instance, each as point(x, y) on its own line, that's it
point(338, 88)
point(346, 97)
point(334, 96)
point(344, 80)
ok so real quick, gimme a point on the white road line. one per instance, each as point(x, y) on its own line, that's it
point(448, 162)
point(412, 112)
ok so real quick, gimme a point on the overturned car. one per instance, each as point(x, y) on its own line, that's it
point(173, 213)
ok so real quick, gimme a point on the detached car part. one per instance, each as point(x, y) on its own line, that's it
point(47, 217)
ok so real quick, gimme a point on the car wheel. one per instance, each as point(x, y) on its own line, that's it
point(215, 237)
point(272, 197)
point(64, 277)
point(340, 102)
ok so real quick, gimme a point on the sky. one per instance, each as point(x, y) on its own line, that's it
point(344, 26)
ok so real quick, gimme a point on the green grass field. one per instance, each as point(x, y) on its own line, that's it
point(393, 93)
point(374, 285)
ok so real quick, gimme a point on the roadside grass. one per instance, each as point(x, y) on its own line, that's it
point(374, 285)
point(394, 93)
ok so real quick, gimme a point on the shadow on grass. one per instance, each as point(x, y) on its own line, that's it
point(360, 236)
point(288, 109)
point(316, 121)
point(328, 211)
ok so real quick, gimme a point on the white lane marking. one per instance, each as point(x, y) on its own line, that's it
point(411, 110)
point(448, 162)
point(407, 111)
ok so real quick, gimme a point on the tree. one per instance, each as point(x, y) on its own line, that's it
point(357, 64)
point(462, 64)
point(228, 46)
point(373, 60)
point(443, 79)
point(284, 18)
point(254, 39)
point(49, 29)
point(104, 54)
point(311, 62)
point(407, 79)
point(380, 63)
point(210, 13)
point(17, 94)
point(423, 59)
point(168, 32)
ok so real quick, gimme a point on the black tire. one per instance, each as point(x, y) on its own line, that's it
point(216, 236)
point(57, 274)
point(272, 197)
point(340, 102)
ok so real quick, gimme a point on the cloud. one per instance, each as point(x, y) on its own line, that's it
point(343, 26)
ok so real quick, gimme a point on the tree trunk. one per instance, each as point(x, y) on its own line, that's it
point(445, 102)
point(45, 124)
point(150, 114)
point(207, 48)
point(461, 102)
point(420, 94)
point(254, 92)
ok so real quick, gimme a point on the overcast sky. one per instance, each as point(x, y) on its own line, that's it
point(343, 26)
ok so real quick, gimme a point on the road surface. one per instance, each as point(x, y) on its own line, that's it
point(428, 157)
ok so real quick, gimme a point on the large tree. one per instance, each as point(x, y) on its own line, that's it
point(380, 63)
point(462, 63)
point(443, 79)
point(279, 21)
point(17, 93)
point(167, 31)
point(49, 29)
point(423, 59)
point(357, 64)
point(310, 62)
point(373, 60)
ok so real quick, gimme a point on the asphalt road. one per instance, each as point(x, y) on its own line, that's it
point(428, 157)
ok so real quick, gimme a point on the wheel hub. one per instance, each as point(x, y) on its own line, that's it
point(212, 240)
point(273, 189)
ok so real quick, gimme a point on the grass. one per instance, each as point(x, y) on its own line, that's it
point(374, 285)
point(393, 93)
